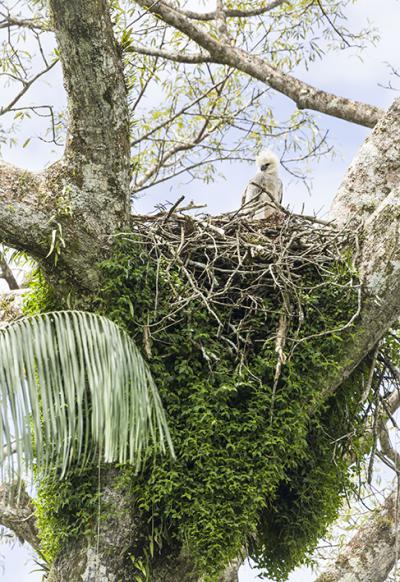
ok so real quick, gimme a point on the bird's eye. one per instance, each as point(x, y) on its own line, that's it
point(264, 167)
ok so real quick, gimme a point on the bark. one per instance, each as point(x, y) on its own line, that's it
point(371, 554)
point(11, 306)
point(7, 274)
point(369, 200)
point(102, 557)
point(109, 556)
point(17, 513)
point(23, 215)
point(304, 95)
point(98, 145)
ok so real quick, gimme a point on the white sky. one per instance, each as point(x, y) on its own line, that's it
point(341, 74)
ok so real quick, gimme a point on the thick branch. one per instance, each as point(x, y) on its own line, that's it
point(24, 220)
point(370, 199)
point(49, 218)
point(98, 145)
point(304, 95)
point(17, 514)
point(371, 554)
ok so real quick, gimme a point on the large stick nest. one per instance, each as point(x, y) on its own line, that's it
point(231, 264)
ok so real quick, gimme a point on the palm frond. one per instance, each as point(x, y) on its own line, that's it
point(73, 388)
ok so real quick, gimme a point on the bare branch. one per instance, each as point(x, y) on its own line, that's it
point(171, 152)
point(177, 57)
point(234, 12)
point(304, 95)
point(179, 112)
point(25, 86)
point(387, 448)
point(7, 274)
point(31, 23)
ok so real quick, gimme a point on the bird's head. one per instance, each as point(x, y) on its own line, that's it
point(267, 161)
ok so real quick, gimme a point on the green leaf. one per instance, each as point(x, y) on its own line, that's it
point(75, 388)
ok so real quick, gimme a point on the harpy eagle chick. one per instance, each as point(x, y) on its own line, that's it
point(264, 189)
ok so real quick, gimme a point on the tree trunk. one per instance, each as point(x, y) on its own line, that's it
point(113, 551)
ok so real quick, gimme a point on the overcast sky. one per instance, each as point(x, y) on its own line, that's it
point(341, 74)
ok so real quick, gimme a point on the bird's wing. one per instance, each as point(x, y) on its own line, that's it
point(251, 192)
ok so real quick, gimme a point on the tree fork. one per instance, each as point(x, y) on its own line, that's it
point(65, 217)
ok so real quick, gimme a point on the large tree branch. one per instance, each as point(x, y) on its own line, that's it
point(40, 214)
point(304, 95)
point(369, 199)
point(98, 144)
point(24, 214)
point(17, 513)
point(371, 554)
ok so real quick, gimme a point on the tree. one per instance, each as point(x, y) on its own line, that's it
point(67, 218)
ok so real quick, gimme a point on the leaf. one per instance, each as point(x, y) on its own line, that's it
point(73, 388)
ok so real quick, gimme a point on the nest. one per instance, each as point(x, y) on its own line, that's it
point(234, 265)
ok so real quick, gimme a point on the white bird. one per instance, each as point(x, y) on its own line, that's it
point(265, 189)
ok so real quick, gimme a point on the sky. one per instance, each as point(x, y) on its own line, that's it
point(340, 73)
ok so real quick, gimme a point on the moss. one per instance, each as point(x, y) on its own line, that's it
point(41, 296)
point(253, 469)
point(66, 509)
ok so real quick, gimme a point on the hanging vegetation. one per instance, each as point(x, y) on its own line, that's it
point(238, 320)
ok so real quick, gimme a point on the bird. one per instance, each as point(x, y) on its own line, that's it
point(265, 189)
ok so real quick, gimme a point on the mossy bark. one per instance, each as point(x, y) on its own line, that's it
point(114, 548)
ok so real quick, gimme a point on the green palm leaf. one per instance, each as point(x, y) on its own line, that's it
point(73, 388)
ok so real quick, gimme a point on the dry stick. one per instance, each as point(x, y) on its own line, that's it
point(173, 208)
point(279, 347)
point(368, 386)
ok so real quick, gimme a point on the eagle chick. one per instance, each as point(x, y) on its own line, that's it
point(265, 189)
